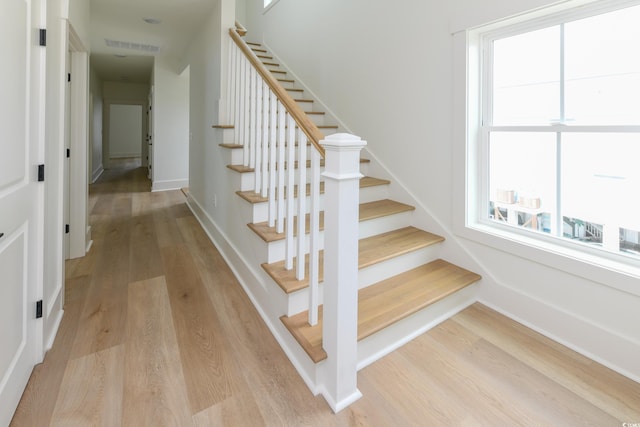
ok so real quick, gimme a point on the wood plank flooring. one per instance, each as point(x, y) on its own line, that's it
point(157, 332)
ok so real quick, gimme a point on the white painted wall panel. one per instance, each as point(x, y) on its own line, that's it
point(171, 126)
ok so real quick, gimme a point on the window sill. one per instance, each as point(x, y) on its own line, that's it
point(616, 274)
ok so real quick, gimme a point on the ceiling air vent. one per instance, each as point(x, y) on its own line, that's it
point(141, 47)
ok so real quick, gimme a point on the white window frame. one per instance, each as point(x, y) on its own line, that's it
point(471, 154)
point(269, 4)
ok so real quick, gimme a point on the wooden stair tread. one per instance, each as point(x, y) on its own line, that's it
point(382, 247)
point(271, 64)
point(246, 169)
point(303, 100)
point(254, 44)
point(264, 56)
point(314, 113)
point(255, 49)
point(286, 80)
point(387, 302)
point(371, 250)
point(367, 211)
point(223, 126)
point(231, 146)
point(365, 182)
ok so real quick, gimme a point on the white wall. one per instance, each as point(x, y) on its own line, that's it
point(125, 130)
point(170, 126)
point(386, 69)
point(95, 152)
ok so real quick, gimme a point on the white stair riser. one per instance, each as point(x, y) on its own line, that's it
point(394, 336)
point(367, 194)
point(384, 224)
point(298, 301)
point(236, 156)
point(297, 94)
point(276, 250)
point(305, 106)
point(394, 266)
point(287, 85)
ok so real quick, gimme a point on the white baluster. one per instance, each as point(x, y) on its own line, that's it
point(302, 199)
point(247, 109)
point(257, 176)
point(252, 118)
point(265, 139)
point(237, 95)
point(314, 236)
point(230, 73)
point(290, 167)
point(273, 117)
point(281, 170)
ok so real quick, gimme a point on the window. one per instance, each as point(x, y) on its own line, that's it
point(557, 129)
point(268, 4)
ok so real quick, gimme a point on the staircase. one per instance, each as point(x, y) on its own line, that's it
point(404, 288)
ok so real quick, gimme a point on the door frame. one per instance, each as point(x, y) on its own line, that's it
point(106, 122)
point(80, 231)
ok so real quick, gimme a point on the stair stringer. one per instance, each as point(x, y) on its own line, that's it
point(265, 295)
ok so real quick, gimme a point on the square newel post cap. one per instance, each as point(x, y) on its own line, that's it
point(342, 154)
point(339, 141)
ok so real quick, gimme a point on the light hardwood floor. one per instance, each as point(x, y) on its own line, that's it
point(157, 332)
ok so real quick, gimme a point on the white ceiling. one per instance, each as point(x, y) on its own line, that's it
point(122, 21)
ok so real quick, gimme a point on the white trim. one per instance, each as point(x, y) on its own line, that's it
point(269, 6)
point(55, 321)
point(174, 184)
point(97, 174)
point(603, 346)
point(79, 142)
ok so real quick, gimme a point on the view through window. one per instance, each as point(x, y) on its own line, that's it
point(561, 130)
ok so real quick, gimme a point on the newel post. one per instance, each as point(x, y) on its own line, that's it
point(340, 306)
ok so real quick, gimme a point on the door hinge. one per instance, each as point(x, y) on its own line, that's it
point(68, 152)
point(39, 309)
point(40, 173)
point(68, 77)
point(43, 37)
point(66, 229)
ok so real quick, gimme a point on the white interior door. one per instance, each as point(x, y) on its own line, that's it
point(20, 204)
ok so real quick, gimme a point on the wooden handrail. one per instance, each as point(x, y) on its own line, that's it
point(304, 122)
point(240, 29)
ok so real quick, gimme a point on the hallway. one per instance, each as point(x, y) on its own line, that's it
point(158, 332)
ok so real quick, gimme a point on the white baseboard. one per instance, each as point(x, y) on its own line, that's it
point(97, 174)
point(125, 155)
point(175, 184)
point(606, 347)
point(56, 320)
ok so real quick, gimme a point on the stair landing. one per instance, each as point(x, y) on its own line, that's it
point(387, 302)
